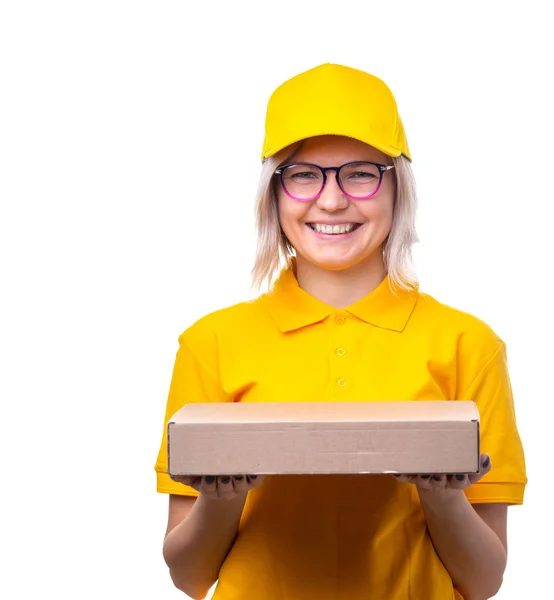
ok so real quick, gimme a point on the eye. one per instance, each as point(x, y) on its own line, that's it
point(303, 175)
point(361, 175)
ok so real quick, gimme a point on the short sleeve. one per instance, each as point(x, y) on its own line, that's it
point(194, 379)
point(492, 392)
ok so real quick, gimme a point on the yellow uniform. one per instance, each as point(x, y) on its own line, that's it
point(350, 537)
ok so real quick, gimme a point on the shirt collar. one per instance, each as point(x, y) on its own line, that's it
point(292, 307)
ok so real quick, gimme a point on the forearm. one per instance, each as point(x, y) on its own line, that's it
point(195, 549)
point(469, 549)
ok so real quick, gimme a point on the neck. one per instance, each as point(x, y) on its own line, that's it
point(341, 288)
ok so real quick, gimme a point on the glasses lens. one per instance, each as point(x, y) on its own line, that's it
point(360, 179)
point(303, 181)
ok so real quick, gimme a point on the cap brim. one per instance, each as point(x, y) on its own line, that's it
point(388, 150)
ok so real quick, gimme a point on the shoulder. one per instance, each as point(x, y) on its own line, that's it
point(464, 341)
point(239, 318)
point(468, 331)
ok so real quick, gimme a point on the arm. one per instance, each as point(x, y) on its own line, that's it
point(468, 528)
point(200, 532)
point(199, 535)
point(470, 541)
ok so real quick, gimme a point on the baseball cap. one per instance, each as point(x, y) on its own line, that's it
point(333, 99)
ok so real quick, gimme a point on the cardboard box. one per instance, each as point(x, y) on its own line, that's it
point(324, 437)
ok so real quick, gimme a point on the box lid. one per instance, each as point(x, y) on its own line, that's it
point(313, 412)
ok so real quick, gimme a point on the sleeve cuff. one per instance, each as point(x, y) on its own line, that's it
point(505, 493)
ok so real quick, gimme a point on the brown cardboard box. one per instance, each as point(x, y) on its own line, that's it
point(324, 437)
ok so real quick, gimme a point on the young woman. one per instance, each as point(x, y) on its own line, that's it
point(344, 321)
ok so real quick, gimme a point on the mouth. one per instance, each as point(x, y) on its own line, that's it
point(337, 229)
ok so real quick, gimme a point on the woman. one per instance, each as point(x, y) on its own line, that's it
point(343, 322)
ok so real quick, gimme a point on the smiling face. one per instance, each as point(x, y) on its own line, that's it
point(359, 227)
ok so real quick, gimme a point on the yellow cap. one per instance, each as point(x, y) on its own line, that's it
point(334, 100)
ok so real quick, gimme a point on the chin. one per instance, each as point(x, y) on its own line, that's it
point(336, 264)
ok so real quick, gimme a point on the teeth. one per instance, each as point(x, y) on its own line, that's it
point(333, 229)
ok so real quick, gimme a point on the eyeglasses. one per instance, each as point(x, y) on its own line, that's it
point(358, 180)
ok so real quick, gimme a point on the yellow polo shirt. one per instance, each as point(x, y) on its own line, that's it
point(350, 537)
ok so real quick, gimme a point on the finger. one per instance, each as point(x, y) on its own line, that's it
point(254, 480)
point(485, 464)
point(458, 482)
point(240, 483)
point(225, 488)
point(208, 486)
point(438, 481)
point(423, 482)
point(484, 468)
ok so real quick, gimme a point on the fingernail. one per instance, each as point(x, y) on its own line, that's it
point(437, 477)
point(225, 479)
point(487, 461)
point(460, 477)
point(209, 478)
point(253, 476)
point(239, 477)
point(425, 476)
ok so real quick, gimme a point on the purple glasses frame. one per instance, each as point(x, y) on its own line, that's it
point(381, 168)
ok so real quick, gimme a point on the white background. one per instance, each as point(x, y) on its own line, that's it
point(113, 240)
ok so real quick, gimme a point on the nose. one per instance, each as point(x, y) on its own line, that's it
point(332, 198)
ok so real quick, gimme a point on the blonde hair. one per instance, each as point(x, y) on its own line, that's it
point(274, 251)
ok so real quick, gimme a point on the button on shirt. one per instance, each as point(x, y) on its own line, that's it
point(351, 536)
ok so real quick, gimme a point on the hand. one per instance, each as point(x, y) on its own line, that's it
point(441, 482)
point(222, 487)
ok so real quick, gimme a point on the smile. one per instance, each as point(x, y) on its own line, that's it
point(334, 229)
